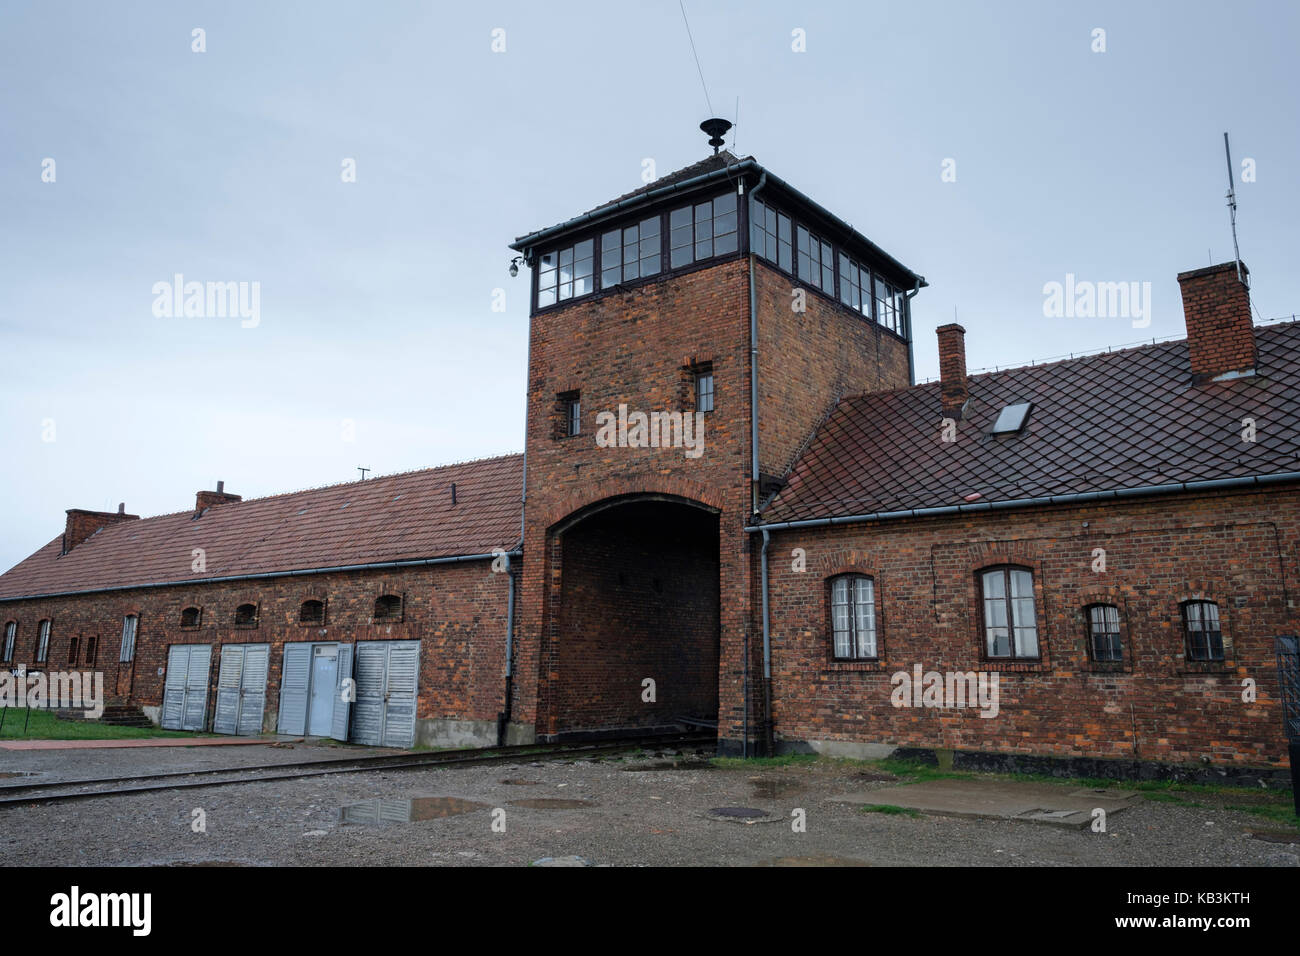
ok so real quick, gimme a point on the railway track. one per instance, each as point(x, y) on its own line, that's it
point(63, 791)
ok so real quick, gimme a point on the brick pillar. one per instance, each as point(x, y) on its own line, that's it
point(1220, 333)
point(952, 368)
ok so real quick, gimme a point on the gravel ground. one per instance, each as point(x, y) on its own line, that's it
point(646, 817)
point(52, 766)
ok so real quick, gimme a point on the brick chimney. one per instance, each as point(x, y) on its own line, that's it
point(952, 368)
point(1220, 333)
point(210, 499)
point(82, 524)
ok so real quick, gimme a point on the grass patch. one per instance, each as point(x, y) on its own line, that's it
point(915, 771)
point(1281, 814)
point(44, 725)
point(742, 763)
point(1171, 798)
point(890, 810)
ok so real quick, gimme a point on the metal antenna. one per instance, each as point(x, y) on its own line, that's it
point(1232, 207)
point(363, 472)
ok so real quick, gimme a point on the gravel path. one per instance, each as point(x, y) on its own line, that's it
point(656, 817)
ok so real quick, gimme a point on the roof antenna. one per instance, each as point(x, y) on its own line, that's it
point(1232, 208)
point(363, 472)
point(717, 129)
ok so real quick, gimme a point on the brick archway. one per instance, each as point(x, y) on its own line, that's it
point(630, 593)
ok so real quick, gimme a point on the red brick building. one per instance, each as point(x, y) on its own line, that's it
point(735, 509)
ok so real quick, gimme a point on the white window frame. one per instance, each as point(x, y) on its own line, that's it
point(11, 634)
point(853, 618)
point(130, 624)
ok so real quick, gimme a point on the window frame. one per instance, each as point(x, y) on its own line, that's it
point(621, 247)
point(92, 649)
point(198, 617)
point(43, 630)
point(851, 580)
point(1183, 608)
point(8, 642)
point(127, 652)
point(705, 399)
point(1010, 626)
point(74, 646)
point(1090, 634)
point(256, 615)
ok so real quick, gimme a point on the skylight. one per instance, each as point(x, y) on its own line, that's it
point(1012, 418)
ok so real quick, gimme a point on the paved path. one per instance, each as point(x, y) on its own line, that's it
point(132, 742)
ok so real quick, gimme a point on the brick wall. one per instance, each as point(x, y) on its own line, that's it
point(457, 611)
point(1237, 550)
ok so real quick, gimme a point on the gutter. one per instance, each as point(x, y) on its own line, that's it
point(383, 566)
point(911, 349)
point(1146, 491)
point(753, 363)
point(768, 742)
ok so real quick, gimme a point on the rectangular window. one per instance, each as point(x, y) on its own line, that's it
point(630, 253)
point(7, 651)
point(853, 617)
point(1103, 633)
point(885, 305)
point(702, 231)
point(1203, 631)
point(704, 392)
point(72, 650)
point(816, 261)
point(572, 405)
point(128, 639)
point(770, 235)
point(1010, 620)
point(566, 273)
point(91, 649)
point(42, 642)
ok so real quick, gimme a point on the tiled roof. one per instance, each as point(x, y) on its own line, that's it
point(1124, 419)
point(722, 159)
point(393, 518)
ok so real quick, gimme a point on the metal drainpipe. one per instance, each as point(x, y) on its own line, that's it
point(911, 360)
point(503, 721)
point(753, 429)
point(768, 739)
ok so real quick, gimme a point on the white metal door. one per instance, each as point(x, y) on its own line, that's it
point(387, 677)
point(252, 689)
point(229, 674)
point(185, 687)
point(294, 679)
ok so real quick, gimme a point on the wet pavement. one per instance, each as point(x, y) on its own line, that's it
point(506, 815)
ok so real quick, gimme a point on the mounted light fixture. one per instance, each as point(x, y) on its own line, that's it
point(514, 265)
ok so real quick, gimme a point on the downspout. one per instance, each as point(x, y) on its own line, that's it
point(753, 436)
point(768, 737)
point(911, 360)
point(503, 720)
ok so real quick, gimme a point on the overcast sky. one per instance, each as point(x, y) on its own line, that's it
point(376, 295)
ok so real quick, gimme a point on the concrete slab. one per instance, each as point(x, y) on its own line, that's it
point(131, 742)
point(999, 800)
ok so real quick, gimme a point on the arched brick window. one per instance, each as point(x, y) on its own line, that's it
point(388, 607)
point(312, 612)
point(246, 615)
point(853, 617)
point(1105, 643)
point(191, 616)
point(42, 641)
point(1009, 618)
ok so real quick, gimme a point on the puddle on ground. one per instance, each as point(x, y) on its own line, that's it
point(769, 789)
point(691, 763)
point(738, 813)
point(10, 774)
point(551, 803)
point(516, 782)
point(381, 812)
point(816, 860)
point(206, 863)
point(1276, 836)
